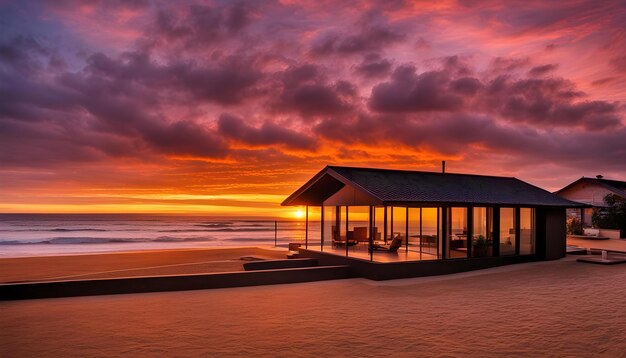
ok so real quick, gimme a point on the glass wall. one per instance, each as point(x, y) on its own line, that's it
point(413, 236)
point(507, 231)
point(430, 234)
point(329, 225)
point(482, 232)
point(358, 225)
point(424, 230)
point(314, 227)
point(398, 225)
point(457, 233)
point(342, 223)
point(527, 231)
point(379, 223)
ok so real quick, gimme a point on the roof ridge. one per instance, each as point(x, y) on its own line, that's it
point(422, 172)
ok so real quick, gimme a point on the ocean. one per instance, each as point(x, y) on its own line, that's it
point(62, 234)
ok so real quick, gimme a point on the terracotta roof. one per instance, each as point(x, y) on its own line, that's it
point(405, 187)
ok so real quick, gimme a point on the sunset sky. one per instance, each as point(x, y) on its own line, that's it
point(226, 107)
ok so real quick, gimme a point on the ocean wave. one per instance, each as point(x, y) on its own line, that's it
point(253, 239)
point(186, 230)
point(72, 230)
point(243, 229)
point(104, 240)
point(53, 230)
point(216, 224)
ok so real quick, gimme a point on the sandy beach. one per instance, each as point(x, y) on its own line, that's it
point(557, 308)
point(128, 264)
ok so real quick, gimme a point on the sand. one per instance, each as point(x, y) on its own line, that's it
point(558, 308)
point(128, 264)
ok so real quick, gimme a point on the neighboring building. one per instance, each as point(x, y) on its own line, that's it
point(446, 222)
point(590, 191)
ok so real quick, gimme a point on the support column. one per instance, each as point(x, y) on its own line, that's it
point(470, 230)
point(445, 214)
point(391, 226)
point(496, 231)
point(347, 230)
point(439, 233)
point(371, 238)
point(421, 234)
point(306, 228)
point(385, 225)
point(517, 230)
point(322, 228)
point(406, 231)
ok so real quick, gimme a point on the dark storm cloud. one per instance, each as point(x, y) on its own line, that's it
point(226, 82)
point(231, 82)
point(370, 33)
point(184, 137)
point(268, 133)
point(544, 102)
point(315, 99)
point(408, 91)
point(542, 70)
point(199, 25)
point(305, 90)
point(25, 54)
point(373, 66)
point(86, 115)
point(506, 64)
point(296, 75)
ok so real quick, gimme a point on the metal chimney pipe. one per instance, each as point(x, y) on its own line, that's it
point(443, 167)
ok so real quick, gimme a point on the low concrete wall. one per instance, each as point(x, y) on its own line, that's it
point(278, 264)
point(171, 283)
point(394, 270)
point(611, 234)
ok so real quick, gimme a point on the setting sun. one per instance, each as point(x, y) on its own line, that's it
point(299, 214)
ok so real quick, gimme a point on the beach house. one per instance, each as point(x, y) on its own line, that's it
point(400, 223)
point(591, 191)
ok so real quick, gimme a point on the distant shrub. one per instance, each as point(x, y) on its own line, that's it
point(612, 216)
point(574, 226)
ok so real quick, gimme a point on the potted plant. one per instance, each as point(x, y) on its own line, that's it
point(481, 247)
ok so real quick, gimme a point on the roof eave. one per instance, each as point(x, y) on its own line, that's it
point(304, 187)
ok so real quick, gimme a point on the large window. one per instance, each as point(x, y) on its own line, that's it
point(507, 231)
point(527, 231)
point(457, 233)
point(482, 232)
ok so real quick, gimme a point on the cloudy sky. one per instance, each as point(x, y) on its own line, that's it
point(227, 107)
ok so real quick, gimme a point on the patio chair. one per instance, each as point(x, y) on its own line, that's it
point(395, 244)
point(360, 234)
point(338, 240)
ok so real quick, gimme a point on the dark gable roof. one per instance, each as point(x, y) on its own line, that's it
point(404, 187)
point(616, 186)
